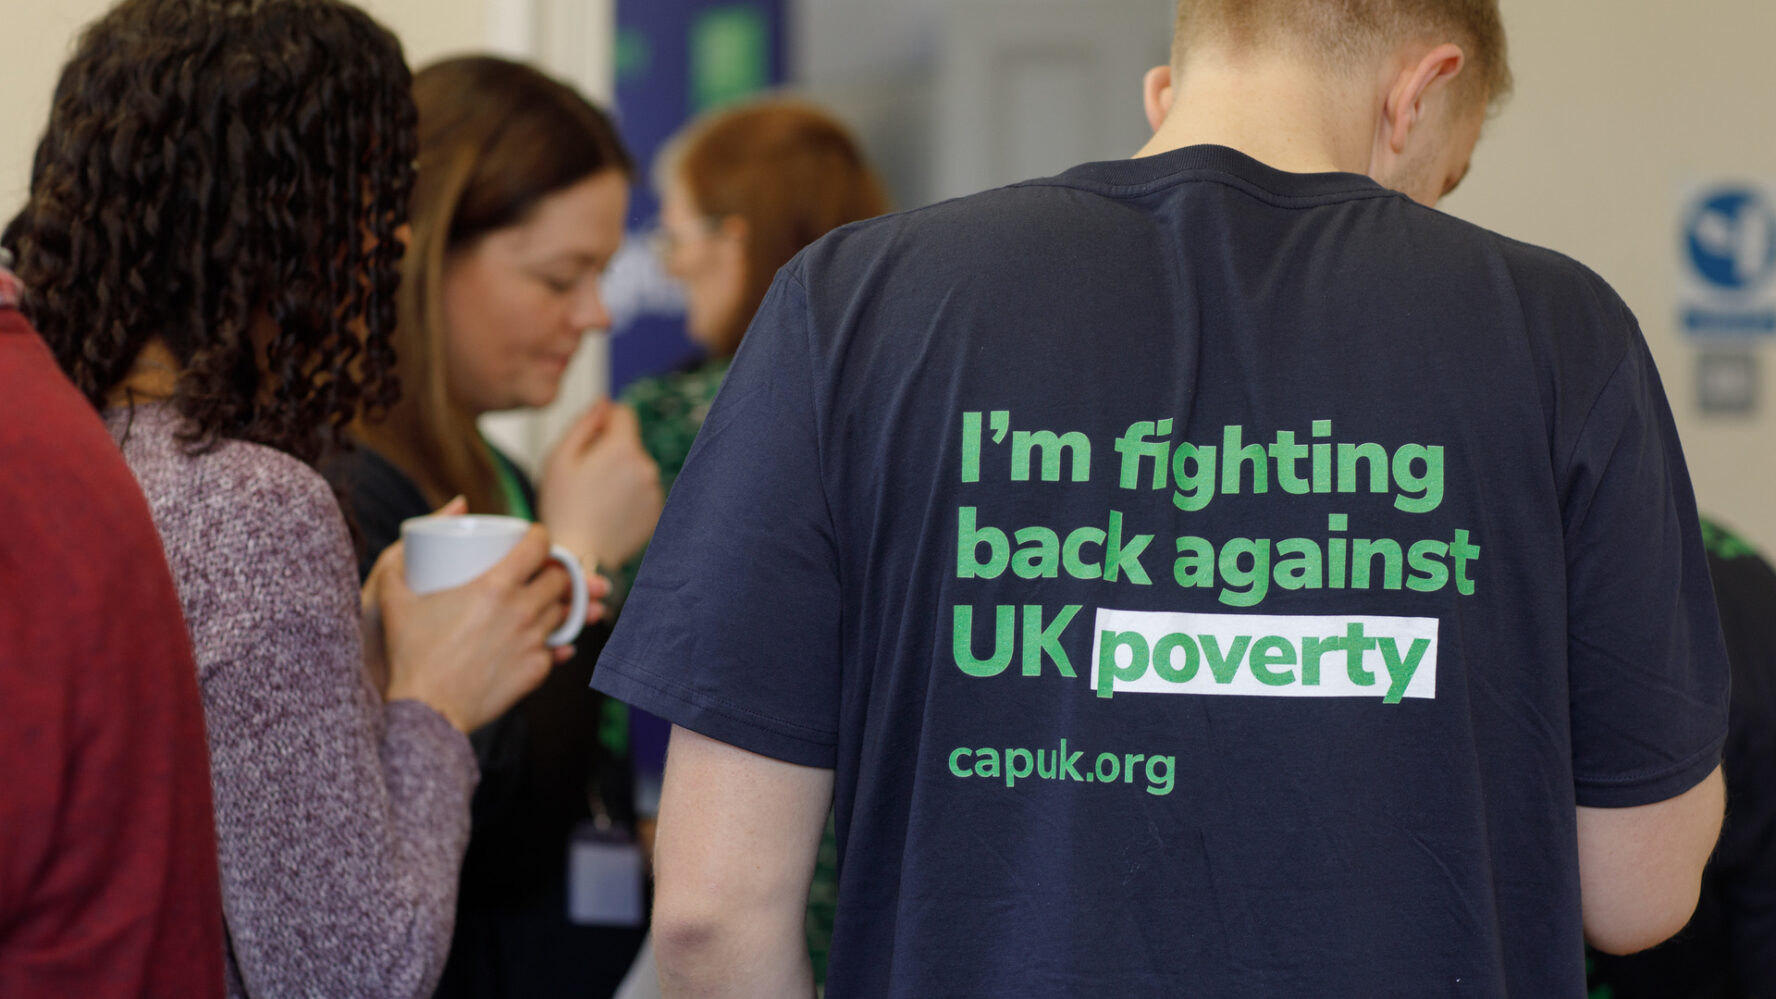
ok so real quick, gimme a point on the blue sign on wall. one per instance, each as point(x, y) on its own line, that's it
point(1729, 239)
point(1729, 257)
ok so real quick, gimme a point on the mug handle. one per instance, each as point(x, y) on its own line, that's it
point(576, 615)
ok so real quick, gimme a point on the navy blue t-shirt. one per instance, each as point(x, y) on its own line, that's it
point(1204, 581)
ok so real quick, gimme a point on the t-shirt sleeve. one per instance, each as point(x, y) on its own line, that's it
point(1648, 671)
point(733, 626)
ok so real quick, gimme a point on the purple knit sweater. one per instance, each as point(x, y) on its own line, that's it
point(341, 821)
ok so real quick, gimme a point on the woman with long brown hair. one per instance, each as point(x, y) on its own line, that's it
point(518, 208)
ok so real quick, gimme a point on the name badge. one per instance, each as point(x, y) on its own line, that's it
point(604, 879)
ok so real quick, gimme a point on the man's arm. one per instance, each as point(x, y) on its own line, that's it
point(1640, 869)
point(733, 862)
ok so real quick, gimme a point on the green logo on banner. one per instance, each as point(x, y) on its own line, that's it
point(635, 55)
point(730, 55)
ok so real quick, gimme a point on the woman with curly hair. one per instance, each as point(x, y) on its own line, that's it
point(519, 205)
point(211, 248)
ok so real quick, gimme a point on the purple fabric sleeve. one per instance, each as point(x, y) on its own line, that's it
point(341, 821)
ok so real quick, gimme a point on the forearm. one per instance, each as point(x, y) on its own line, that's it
point(734, 858)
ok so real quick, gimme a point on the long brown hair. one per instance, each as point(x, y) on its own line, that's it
point(789, 169)
point(495, 138)
point(209, 164)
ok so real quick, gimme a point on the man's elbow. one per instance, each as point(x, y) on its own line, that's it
point(686, 936)
point(1631, 932)
point(1640, 869)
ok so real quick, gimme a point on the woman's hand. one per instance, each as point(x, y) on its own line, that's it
point(370, 606)
point(600, 492)
point(472, 651)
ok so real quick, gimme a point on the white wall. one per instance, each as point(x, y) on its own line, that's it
point(432, 28)
point(37, 39)
point(1620, 104)
point(39, 35)
point(889, 69)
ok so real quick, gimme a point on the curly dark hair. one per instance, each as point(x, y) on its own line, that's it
point(227, 176)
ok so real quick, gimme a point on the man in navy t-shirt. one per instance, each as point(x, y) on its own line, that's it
point(1214, 573)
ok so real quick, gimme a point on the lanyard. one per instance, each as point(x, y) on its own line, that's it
point(516, 504)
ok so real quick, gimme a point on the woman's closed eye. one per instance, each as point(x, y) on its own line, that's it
point(558, 284)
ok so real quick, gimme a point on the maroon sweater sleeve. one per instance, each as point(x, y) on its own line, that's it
point(108, 881)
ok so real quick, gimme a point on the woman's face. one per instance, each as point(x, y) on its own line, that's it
point(518, 300)
point(708, 257)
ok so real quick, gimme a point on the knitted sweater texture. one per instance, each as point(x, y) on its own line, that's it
point(341, 821)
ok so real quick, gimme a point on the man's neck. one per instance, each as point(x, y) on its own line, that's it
point(1283, 112)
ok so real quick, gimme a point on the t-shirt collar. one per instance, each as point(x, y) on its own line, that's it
point(1177, 164)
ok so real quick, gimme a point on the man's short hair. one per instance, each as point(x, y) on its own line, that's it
point(1348, 31)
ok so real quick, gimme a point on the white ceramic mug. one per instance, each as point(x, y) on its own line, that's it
point(446, 552)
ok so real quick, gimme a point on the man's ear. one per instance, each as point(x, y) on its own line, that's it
point(1156, 95)
point(1403, 106)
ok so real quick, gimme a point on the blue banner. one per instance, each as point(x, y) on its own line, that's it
point(676, 59)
